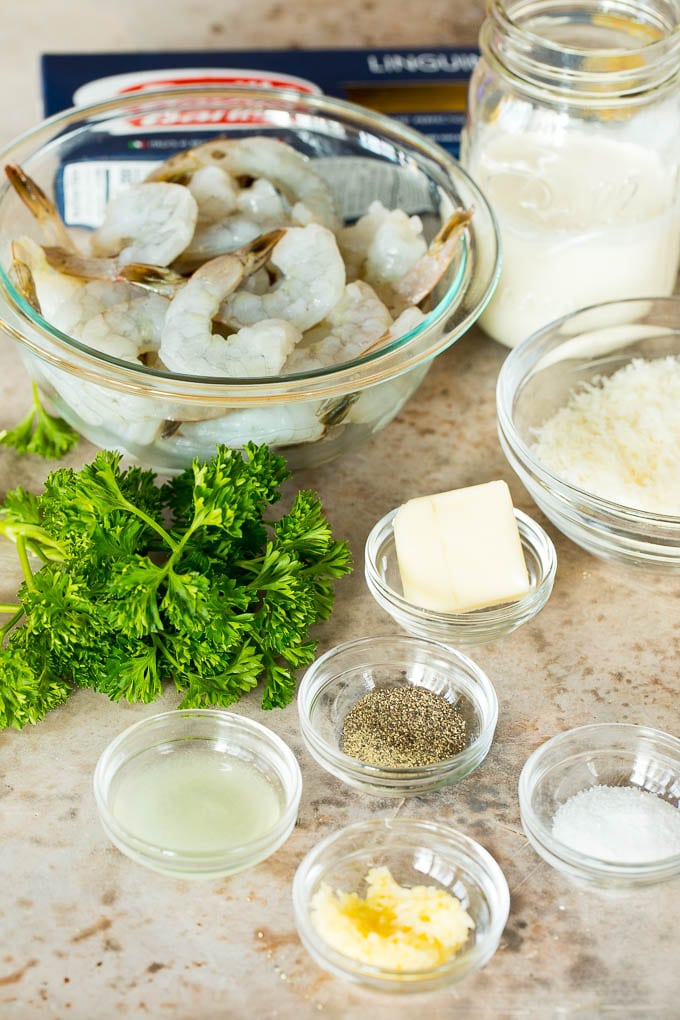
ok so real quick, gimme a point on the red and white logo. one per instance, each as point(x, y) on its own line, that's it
point(201, 114)
point(138, 82)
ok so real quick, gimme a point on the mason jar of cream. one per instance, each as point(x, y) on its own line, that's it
point(573, 133)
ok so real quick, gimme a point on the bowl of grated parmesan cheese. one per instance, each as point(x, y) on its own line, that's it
point(589, 419)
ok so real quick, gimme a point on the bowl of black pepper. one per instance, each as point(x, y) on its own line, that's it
point(397, 715)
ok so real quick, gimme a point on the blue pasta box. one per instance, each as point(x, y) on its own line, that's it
point(425, 89)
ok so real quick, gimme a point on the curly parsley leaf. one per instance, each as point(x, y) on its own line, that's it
point(40, 432)
point(29, 688)
point(186, 582)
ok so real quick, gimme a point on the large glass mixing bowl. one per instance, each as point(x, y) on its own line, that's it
point(164, 419)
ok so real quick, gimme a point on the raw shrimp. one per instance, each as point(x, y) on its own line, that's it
point(258, 156)
point(188, 343)
point(213, 239)
point(120, 321)
point(147, 223)
point(376, 406)
point(415, 285)
point(51, 287)
point(258, 209)
point(404, 323)
point(353, 325)
point(86, 405)
point(42, 207)
point(102, 414)
point(311, 283)
point(253, 211)
point(118, 327)
point(115, 318)
point(162, 218)
point(263, 204)
point(259, 350)
point(382, 245)
point(230, 216)
point(278, 425)
point(215, 191)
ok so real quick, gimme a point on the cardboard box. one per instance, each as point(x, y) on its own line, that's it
point(426, 89)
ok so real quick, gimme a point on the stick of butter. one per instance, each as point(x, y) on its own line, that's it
point(460, 550)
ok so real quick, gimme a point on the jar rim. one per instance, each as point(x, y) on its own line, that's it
point(601, 72)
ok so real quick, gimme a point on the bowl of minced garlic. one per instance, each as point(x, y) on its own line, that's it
point(400, 905)
point(392, 927)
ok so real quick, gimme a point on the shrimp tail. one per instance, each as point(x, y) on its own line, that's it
point(450, 231)
point(334, 410)
point(156, 278)
point(22, 280)
point(39, 205)
point(419, 282)
point(258, 251)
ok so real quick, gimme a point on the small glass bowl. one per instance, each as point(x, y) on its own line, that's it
point(479, 626)
point(537, 379)
point(344, 674)
point(604, 754)
point(157, 742)
point(416, 853)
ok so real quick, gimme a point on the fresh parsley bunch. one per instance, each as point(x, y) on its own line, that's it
point(185, 582)
point(40, 432)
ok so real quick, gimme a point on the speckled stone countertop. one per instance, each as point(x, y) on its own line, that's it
point(85, 933)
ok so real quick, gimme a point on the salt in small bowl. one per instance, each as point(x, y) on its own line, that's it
point(602, 754)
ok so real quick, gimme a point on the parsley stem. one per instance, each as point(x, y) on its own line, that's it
point(179, 546)
point(25, 565)
point(18, 613)
point(158, 528)
point(9, 607)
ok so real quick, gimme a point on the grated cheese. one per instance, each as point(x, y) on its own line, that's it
point(619, 437)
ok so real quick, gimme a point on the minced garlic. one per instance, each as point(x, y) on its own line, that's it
point(394, 928)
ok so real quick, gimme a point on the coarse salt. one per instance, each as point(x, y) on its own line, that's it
point(619, 437)
point(620, 824)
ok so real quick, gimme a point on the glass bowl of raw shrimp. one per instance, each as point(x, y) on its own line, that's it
point(214, 265)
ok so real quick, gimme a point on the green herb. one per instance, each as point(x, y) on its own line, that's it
point(40, 432)
point(186, 582)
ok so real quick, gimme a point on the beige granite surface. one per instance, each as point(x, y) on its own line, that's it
point(87, 934)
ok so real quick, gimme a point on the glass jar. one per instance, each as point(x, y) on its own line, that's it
point(573, 133)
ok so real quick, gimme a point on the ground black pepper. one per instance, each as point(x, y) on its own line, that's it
point(403, 727)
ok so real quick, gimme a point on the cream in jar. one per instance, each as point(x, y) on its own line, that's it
point(573, 133)
point(583, 221)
